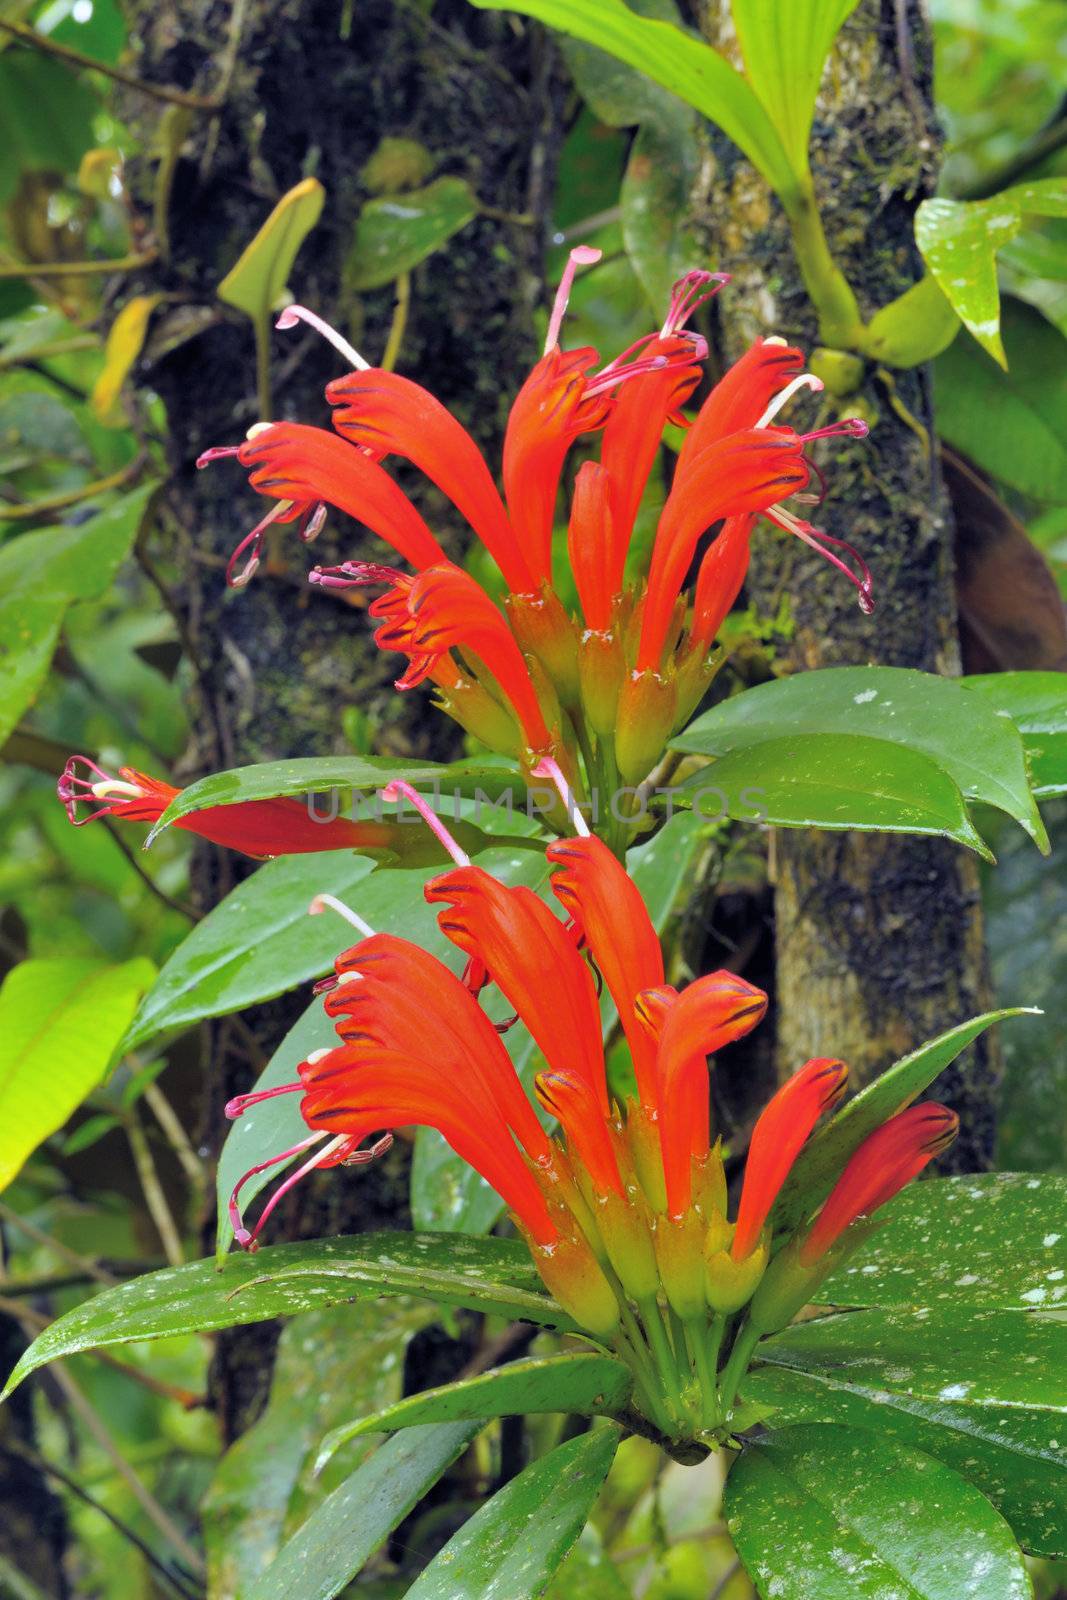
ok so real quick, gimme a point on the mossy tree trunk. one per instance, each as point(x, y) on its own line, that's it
point(879, 938)
point(311, 87)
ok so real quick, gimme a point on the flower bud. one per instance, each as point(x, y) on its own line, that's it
point(646, 718)
point(624, 1228)
point(601, 670)
point(679, 1254)
point(571, 1274)
point(709, 1183)
point(730, 1284)
point(786, 1285)
point(544, 630)
point(476, 710)
point(642, 1132)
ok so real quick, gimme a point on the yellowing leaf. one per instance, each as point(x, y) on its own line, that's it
point(125, 342)
point(97, 170)
point(256, 284)
point(60, 1023)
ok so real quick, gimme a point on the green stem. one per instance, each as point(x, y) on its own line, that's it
point(737, 1366)
point(840, 323)
point(704, 1348)
point(663, 1355)
point(263, 396)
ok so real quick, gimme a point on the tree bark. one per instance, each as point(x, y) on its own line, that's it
point(278, 663)
point(879, 938)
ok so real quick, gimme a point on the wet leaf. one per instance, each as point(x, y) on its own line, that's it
point(511, 1547)
point(914, 328)
point(785, 51)
point(843, 1514)
point(256, 283)
point(398, 231)
point(1037, 704)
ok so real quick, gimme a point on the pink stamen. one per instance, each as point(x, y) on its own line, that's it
point(255, 540)
point(290, 1182)
point(323, 902)
point(292, 315)
point(399, 790)
point(848, 427)
point(583, 255)
point(240, 1103)
point(353, 575)
point(311, 523)
point(245, 1239)
point(612, 376)
point(362, 1158)
point(818, 539)
point(549, 768)
point(689, 293)
point(72, 788)
point(218, 452)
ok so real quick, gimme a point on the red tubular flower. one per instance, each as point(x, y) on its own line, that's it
point(597, 557)
point(742, 395)
point(710, 1013)
point(393, 415)
point(781, 1130)
point(258, 828)
point(608, 909)
point(556, 404)
point(722, 572)
point(883, 1164)
point(569, 1099)
point(532, 959)
point(743, 473)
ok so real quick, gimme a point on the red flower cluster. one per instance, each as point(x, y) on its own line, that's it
point(523, 679)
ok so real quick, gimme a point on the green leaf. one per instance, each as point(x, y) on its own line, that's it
point(579, 1382)
point(914, 328)
point(785, 50)
point(445, 1191)
point(41, 575)
point(916, 711)
point(621, 96)
point(512, 1546)
point(994, 1241)
point(836, 781)
point(396, 232)
point(959, 240)
point(256, 283)
point(684, 65)
point(46, 117)
point(1037, 704)
point(843, 1514)
point(125, 340)
point(351, 775)
point(259, 941)
point(817, 1167)
point(327, 1361)
point(985, 1393)
point(1014, 423)
point(60, 1022)
point(659, 174)
point(342, 1533)
point(496, 1276)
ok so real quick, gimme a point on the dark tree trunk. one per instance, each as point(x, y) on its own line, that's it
point(277, 664)
point(879, 939)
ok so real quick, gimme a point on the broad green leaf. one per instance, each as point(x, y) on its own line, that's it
point(994, 1241)
point(684, 65)
point(832, 780)
point(396, 232)
point(346, 1529)
point(255, 284)
point(259, 941)
point(582, 1383)
point(914, 328)
point(511, 1547)
point(496, 1276)
point(46, 117)
point(41, 574)
point(621, 96)
point(125, 341)
point(916, 711)
point(1014, 423)
point(785, 49)
point(841, 1514)
point(986, 1393)
point(959, 240)
point(350, 776)
point(60, 1023)
point(445, 1192)
point(1037, 704)
point(659, 175)
point(817, 1167)
point(327, 1361)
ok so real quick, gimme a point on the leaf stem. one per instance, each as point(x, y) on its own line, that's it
point(155, 1199)
point(737, 1366)
point(399, 322)
point(74, 269)
point(840, 323)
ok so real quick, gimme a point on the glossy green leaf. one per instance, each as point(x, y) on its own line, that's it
point(60, 1023)
point(582, 1383)
point(652, 199)
point(681, 63)
point(445, 1191)
point(256, 283)
point(841, 1514)
point(914, 328)
point(959, 240)
point(350, 776)
point(784, 50)
point(915, 711)
point(397, 231)
point(327, 1361)
point(41, 575)
point(511, 1547)
point(621, 96)
point(496, 1276)
point(259, 941)
point(985, 1392)
point(994, 1241)
point(1014, 423)
point(836, 781)
point(823, 1157)
point(1037, 704)
point(343, 1532)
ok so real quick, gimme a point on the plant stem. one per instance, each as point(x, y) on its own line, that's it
point(155, 1199)
point(840, 323)
point(737, 1366)
point(83, 1264)
point(157, 91)
point(663, 1355)
point(177, 1137)
point(703, 1349)
point(73, 269)
point(73, 497)
point(399, 322)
